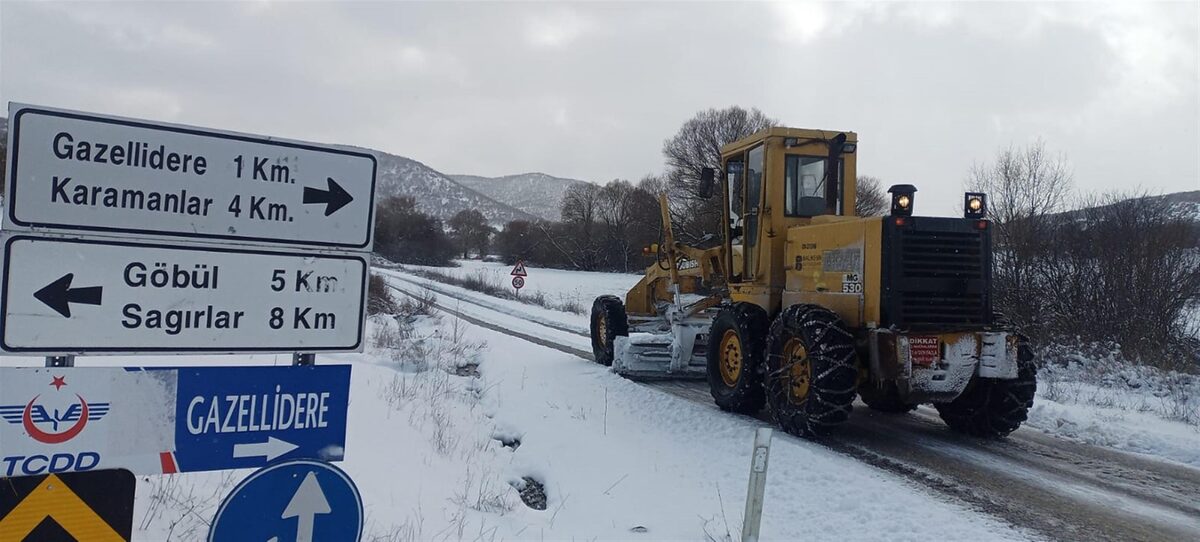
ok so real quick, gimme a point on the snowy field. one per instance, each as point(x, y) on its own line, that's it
point(618, 461)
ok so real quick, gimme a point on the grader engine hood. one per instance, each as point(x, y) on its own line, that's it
point(925, 273)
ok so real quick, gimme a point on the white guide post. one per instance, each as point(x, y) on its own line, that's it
point(758, 485)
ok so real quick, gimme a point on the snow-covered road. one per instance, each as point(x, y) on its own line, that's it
point(1056, 487)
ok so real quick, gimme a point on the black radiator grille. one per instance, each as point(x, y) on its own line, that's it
point(926, 254)
point(938, 274)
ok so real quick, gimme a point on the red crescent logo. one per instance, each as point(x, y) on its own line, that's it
point(53, 438)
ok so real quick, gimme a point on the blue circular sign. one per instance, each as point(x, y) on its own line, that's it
point(292, 501)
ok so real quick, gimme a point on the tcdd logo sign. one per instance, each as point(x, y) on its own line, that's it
point(54, 420)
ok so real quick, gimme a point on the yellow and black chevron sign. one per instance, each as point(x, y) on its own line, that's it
point(95, 506)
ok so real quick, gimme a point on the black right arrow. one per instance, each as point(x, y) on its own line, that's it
point(59, 295)
point(335, 198)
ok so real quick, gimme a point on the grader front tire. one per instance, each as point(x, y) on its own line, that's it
point(811, 370)
point(609, 321)
point(735, 357)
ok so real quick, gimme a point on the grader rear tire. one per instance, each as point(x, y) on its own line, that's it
point(994, 408)
point(735, 358)
point(608, 322)
point(811, 370)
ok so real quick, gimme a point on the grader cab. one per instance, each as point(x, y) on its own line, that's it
point(805, 305)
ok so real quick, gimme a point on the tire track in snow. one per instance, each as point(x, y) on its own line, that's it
point(1059, 488)
point(500, 329)
point(497, 307)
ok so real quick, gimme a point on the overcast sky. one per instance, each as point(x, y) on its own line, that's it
point(591, 90)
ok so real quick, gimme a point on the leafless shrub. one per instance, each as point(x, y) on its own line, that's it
point(423, 304)
point(1125, 269)
point(379, 297)
point(1121, 268)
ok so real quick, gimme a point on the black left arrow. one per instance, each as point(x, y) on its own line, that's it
point(334, 198)
point(59, 295)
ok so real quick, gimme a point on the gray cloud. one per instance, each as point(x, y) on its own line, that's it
point(591, 90)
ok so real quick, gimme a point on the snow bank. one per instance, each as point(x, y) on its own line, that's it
point(1107, 402)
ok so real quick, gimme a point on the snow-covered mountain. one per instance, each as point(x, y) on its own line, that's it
point(538, 194)
point(436, 193)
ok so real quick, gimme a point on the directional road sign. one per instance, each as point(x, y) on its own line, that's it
point(80, 172)
point(75, 296)
point(161, 421)
point(93, 506)
point(519, 269)
point(295, 500)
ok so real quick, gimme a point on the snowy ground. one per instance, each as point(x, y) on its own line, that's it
point(618, 460)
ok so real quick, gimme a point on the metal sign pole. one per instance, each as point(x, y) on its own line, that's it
point(60, 361)
point(304, 360)
point(758, 485)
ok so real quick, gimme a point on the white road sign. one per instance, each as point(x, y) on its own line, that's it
point(75, 296)
point(79, 172)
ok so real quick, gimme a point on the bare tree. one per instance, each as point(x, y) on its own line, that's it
point(629, 216)
point(695, 146)
point(1025, 186)
point(470, 230)
point(576, 237)
point(869, 197)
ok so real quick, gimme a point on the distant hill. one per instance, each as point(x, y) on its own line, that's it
point(538, 194)
point(1188, 202)
point(436, 193)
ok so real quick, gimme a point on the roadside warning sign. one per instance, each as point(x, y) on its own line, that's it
point(519, 270)
point(90, 506)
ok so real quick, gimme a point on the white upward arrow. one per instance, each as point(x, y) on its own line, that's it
point(272, 448)
point(308, 501)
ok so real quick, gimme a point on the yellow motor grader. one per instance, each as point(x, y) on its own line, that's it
point(805, 305)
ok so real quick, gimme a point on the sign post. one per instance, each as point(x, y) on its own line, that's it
point(518, 276)
point(758, 484)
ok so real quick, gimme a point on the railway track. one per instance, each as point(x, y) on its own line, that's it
point(1058, 488)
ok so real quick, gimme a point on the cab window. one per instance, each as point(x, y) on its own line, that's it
point(806, 189)
point(754, 176)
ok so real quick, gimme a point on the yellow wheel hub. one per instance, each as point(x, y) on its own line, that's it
point(800, 372)
point(731, 358)
point(602, 329)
